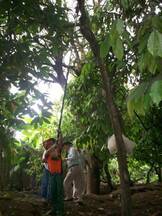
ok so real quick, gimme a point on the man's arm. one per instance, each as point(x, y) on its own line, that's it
point(52, 148)
point(44, 157)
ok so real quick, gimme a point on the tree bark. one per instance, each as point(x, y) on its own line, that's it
point(158, 172)
point(113, 112)
point(93, 176)
point(108, 176)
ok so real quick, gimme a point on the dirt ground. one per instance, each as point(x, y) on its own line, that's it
point(147, 201)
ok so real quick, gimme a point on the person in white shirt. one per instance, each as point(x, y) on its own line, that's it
point(83, 164)
point(74, 176)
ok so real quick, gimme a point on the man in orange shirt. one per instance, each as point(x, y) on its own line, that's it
point(54, 161)
point(45, 178)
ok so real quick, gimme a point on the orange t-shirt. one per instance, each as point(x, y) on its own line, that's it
point(55, 165)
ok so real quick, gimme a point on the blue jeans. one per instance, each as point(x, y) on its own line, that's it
point(45, 184)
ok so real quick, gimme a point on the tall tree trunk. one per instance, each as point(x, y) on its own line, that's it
point(7, 167)
point(93, 176)
point(121, 153)
point(158, 172)
point(113, 112)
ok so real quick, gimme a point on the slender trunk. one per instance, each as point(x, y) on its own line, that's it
point(160, 176)
point(93, 176)
point(108, 176)
point(113, 112)
point(121, 153)
point(148, 174)
point(158, 172)
point(7, 165)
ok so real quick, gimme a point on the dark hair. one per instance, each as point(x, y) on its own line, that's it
point(67, 143)
point(50, 140)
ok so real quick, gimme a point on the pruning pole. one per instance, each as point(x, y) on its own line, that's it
point(63, 101)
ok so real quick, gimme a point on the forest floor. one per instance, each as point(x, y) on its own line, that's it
point(147, 201)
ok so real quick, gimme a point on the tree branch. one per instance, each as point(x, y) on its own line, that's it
point(86, 31)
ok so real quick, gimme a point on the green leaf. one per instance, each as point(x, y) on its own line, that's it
point(46, 114)
point(157, 22)
point(35, 121)
point(86, 68)
point(104, 47)
point(142, 62)
point(118, 49)
point(156, 91)
point(139, 105)
point(147, 61)
point(143, 43)
point(152, 65)
point(125, 4)
point(46, 120)
point(154, 44)
point(138, 99)
point(116, 42)
point(147, 103)
point(120, 26)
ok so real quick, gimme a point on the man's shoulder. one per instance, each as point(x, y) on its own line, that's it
point(73, 148)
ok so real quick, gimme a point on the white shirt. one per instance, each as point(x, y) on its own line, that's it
point(73, 157)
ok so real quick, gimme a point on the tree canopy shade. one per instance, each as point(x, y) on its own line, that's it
point(32, 44)
point(34, 38)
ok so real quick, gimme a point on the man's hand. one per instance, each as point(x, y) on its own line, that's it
point(60, 140)
point(59, 134)
point(44, 160)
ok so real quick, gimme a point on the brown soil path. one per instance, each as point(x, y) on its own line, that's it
point(147, 201)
